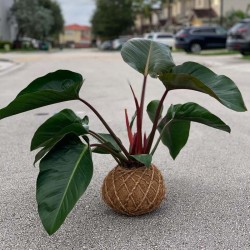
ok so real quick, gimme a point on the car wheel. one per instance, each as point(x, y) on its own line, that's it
point(245, 53)
point(195, 48)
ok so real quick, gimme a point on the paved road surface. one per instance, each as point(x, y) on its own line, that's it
point(208, 200)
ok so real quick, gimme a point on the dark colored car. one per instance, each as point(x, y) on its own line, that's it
point(239, 37)
point(195, 39)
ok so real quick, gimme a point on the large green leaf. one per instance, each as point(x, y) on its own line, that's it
point(145, 159)
point(46, 149)
point(152, 108)
point(65, 173)
point(59, 86)
point(147, 57)
point(175, 135)
point(56, 127)
point(197, 77)
point(175, 125)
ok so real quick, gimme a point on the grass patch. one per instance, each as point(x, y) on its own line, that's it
point(177, 50)
point(221, 52)
point(17, 50)
point(246, 57)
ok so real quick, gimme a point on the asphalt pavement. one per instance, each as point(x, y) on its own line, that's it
point(208, 186)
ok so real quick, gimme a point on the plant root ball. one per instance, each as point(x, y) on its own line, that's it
point(133, 191)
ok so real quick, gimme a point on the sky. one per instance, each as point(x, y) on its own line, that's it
point(77, 11)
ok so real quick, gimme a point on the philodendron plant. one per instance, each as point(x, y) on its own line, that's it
point(65, 140)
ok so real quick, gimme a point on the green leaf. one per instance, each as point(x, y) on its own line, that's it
point(144, 159)
point(46, 149)
point(56, 127)
point(152, 108)
point(59, 86)
point(147, 57)
point(197, 77)
point(109, 140)
point(102, 150)
point(65, 173)
point(175, 125)
point(175, 135)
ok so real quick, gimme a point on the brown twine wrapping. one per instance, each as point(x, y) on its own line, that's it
point(133, 191)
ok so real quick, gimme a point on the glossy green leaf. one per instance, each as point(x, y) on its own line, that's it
point(152, 108)
point(175, 135)
point(145, 159)
point(197, 77)
point(102, 149)
point(176, 124)
point(108, 141)
point(147, 57)
point(65, 173)
point(59, 86)
point(56, 127)
point(46, 149)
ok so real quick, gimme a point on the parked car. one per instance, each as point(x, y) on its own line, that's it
point(118, 43)
point(106, 45)
point(44, 45)
point(195, 39)
point(162, 37)
point(239, 37)
point(27, 42)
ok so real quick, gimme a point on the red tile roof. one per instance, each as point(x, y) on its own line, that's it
point(76, 27)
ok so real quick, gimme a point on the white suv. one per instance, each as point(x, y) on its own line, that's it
point(161, 37)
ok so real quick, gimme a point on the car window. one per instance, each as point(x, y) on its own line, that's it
point(180, 32)
point(221, 31)
point(204, 30)
point(208, 30)
point(149, 36)
point(196, 31)
point(239, 26)
point(164, 36)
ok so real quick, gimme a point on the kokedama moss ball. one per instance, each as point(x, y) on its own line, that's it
point(133, 191)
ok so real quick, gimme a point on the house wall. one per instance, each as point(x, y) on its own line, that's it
point(81, 38)
point(184, 7)
point(71, 35)
point(235, 5)
point(8, 26)
point(182, 10)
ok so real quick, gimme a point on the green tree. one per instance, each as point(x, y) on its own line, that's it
point(58, 20)
point(37, 18)
point(234, 16)
point(112, 18)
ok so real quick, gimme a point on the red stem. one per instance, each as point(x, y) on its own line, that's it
point(107, 127)
point(157, 116)
point(130, 135)
point(139, 126)
point(143, 97)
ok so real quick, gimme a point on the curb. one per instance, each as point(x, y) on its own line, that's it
point(13, 67)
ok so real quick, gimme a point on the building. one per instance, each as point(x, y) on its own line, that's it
point(8, 26)
point(76, 36)
point(188, 12)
